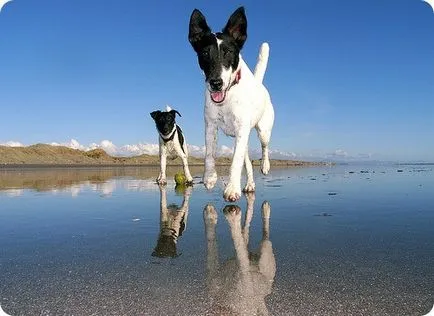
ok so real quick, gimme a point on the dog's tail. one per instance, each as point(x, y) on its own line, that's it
point(261, 65)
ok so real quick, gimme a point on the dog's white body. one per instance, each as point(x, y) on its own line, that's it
point(172, 149)
point(247, 105)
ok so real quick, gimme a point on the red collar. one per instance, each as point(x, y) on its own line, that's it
point(237, 77)
point(236, 80)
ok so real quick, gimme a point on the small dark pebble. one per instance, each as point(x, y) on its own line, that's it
point(273, 185)
point(274, 180)
point(399, 170)
point(351, 172)
point(313, 179)
point(323, 214)
point(332, 193)
point(364, 171)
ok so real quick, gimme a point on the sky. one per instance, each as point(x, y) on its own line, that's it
point(348, 79)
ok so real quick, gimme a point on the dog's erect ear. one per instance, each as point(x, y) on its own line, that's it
point(198, 28)
point(237, 26)
point(155, 114)
point(175, 112)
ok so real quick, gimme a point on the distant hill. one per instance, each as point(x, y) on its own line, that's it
point(49, 155)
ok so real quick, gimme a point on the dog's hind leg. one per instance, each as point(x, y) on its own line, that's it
point(267, 261)
point(264, 127)
point(250, 186)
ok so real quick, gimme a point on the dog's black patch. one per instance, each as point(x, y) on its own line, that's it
point(211, 57)
point(180, 137)
point(166, 246)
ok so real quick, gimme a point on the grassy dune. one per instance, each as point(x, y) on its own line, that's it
point(48, 155)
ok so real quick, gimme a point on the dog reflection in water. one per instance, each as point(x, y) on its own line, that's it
point(173, 221)
point(240, 285)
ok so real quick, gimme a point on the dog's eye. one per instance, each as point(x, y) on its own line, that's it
point(226, 51)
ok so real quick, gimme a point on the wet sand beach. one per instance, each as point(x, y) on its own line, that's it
point(342, 240)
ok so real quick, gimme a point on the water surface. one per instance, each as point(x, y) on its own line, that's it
point(344, 240)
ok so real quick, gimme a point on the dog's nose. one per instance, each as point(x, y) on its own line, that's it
point(216, 84)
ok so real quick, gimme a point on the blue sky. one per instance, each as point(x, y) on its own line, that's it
point(351, 78)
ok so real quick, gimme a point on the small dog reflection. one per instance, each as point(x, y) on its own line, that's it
point(173, 221)
point(240, 285)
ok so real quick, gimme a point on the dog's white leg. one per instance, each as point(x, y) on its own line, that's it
point(187, 194)
point(250, 197)
point(264, 127)
point(186, 169)
point(233, 189)
point(250, 186)
point(244, 278)
point(233, 216)
point(212, 261)
point(267, 261)
point(210, 175)
point(163, 206)
point(162, 176)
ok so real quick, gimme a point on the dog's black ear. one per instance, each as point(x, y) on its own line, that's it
point(198, 28)
point(237, 26)
point(175, 112)
point(155, 114)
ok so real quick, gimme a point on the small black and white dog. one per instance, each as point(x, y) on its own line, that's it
point(172, 142)
point(173, 222)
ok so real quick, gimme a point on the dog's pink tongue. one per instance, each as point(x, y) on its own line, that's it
point(217, 96)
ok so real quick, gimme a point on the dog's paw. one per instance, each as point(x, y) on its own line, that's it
point(210, 215)
point(210, 179)
point(189, 181)
point(232, 193)
point(232, 214)
point(250, 187)
point(266, 209)
point(161, 180)
point(265, 166)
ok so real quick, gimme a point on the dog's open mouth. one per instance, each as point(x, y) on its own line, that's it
point(218, 96)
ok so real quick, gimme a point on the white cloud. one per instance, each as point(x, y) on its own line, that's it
point(12, 192)
point(12, 143)
point(140, 149)
point(74, 144)
point(153, 149)
point(338, 153)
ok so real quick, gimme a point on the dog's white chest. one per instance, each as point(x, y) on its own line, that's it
point(171, 149)
point(228, 123)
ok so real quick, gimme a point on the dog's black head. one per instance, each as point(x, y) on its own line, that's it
point(218, 53)
point(165, 121)
point(166, 247)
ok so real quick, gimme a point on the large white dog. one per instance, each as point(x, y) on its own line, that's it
point(235, 98)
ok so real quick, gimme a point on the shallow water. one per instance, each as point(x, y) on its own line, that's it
point(344, 240)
